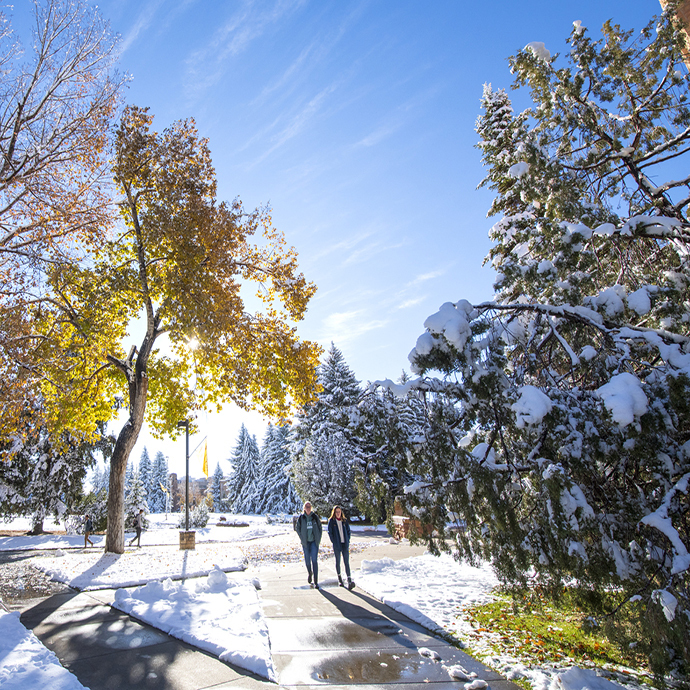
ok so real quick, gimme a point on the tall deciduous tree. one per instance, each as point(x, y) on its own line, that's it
point(558, 429)
point(58, 94)
point(179, 262)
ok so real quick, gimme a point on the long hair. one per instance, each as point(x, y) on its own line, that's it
point(343, 517)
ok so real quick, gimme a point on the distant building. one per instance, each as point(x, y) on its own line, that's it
point(197, 491)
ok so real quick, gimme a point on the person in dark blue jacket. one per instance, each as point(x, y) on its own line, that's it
point(339, 533)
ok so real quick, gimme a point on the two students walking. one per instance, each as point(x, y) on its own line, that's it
point(309, 528)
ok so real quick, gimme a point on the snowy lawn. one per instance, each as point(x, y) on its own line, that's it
point(427, 589)
point(94, 569)
point(161, 531)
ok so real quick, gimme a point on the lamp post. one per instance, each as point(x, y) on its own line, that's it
point(186, 542)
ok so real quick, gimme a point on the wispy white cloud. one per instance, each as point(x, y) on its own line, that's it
point(298, 122)
point(344, 244)
point(411, 302)
point(342, 327)
point(301, 112)
point(142, 24)
point(151, 21)
point(424, 277)
point(291, 75)
point(371, 250)
point(399, 118)
point(312, 56)
point(250, 20)
point(378, 135)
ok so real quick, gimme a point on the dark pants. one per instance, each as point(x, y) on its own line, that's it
point(344, 550)
point(311, 553)
point(137, 538)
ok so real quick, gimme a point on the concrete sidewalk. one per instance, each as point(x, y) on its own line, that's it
point(329, 636)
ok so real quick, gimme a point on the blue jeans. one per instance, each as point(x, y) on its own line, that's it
point(344, 550)
point(311, 552)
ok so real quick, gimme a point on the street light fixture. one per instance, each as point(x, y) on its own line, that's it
point(185, 424)
point(187, 540)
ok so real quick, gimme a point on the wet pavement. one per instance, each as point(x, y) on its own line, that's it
point(329, 636)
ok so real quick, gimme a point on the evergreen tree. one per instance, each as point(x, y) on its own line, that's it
point(96, 501)
point(42, 476)
point(217, 489)
point(129, 477)
point(242, 481)
point(558, 427)
point(323, 445)
point(135, 500)
point(101, 478)
point(275, 491)
point(389, 425)
point(157, 499)
point(146, 472)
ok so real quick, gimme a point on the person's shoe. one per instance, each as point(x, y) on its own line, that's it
point(316, 585)
point(350, 584)
point(309, 578)
point(340, 581)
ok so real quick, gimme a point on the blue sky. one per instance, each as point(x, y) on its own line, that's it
point(355, 121)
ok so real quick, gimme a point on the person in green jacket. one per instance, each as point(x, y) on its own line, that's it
point(308, 526)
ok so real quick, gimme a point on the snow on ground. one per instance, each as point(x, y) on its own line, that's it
point(25, 664)
point(222, 613)
point(162, 531)
point(428, 589)
point(94, 569)
point(223, 616)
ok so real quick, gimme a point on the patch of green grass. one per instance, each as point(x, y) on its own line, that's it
point(537, 631)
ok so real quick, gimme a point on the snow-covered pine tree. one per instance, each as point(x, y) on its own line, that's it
point(101, 478)
point(146, 472)
point(41, 476)
point(245, 469)
point(276, 492)
point(217, 480)
point(96, 502)
point(159, 479)
point(558, 429)
point(323, 445)
point(389, 424)
point(129, 476)
point(135, 499)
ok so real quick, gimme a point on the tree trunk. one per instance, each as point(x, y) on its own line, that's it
point(37, 528)
point(115, 538)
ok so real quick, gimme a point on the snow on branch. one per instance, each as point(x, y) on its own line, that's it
point(589, 317)
point(660, 520)
point(399, 390)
